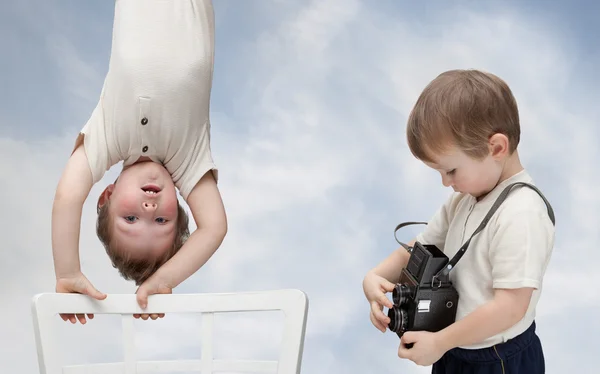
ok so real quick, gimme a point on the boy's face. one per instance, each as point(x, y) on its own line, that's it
point(143, 209)
point(465, 174)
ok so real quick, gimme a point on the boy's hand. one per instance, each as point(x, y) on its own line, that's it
point(375, 288)
point(78, 283)
point(426, 350)
point(151, 286)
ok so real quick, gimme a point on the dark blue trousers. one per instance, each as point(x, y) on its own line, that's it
point(522, 354)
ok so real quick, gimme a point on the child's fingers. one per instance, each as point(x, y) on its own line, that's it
point(92, 292)
point(377, 323)
point(68, 317)
point(404, 352)
point(81, 318)
point(142, 297)
point(383, 319)
point(153, 316)
point(383, 300)
point(377, 312)
point(387, 285)
point(409, 337)
point(376, 308)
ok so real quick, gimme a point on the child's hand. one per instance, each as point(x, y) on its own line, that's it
point(426, 350)
point(151, 286)
point(375, 288)
point(78, 284)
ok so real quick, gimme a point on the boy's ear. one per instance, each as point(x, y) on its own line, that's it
point(499, 146)
point(105, 196)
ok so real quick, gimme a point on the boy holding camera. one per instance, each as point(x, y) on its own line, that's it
point(465, 125)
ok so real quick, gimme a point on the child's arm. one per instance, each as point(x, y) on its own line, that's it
point(209, 214)
point(72, 191)
point(506, 309)
point(208, 211)
point(391, 267)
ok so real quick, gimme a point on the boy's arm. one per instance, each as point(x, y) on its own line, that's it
point(391, 267)
point(209, 214)
point(506, 309)
point(72, 190)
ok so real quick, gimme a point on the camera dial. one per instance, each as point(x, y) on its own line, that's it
point(400, 294)
point(398, 320)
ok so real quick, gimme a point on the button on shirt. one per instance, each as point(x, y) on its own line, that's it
point(155, 98)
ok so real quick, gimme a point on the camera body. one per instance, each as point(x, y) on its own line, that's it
point(424, 299)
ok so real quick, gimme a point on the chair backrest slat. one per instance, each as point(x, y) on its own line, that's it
point(293, 304)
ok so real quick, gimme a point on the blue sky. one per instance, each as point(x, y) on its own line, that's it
point(308, 110)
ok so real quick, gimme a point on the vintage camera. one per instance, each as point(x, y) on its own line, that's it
point(424, 299)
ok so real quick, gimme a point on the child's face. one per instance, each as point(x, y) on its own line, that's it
point(143, 209)
point(465, 174)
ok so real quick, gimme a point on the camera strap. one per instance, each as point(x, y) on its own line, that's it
point(452, 263)
point(406, 246)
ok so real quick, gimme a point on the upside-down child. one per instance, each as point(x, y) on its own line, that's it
point(153, 114)
point(465, 125)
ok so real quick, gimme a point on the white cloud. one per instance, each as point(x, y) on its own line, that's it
point(315, 173)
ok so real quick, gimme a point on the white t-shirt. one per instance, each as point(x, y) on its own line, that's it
point(155, 97)
point(512, 251)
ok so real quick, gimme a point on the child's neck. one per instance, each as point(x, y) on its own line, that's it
point(512, 166)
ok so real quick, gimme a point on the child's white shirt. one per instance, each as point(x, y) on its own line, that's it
point(156, 95)
point(512, 251)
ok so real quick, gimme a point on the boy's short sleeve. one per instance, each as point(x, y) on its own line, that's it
point(96, 146)
point(188, 171)
point(521, 245)
point(437, 227)
point(195, 172)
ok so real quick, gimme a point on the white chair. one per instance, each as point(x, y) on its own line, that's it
point(293, 303)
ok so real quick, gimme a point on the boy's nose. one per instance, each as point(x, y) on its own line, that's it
point(148, 206)
point(446, 181)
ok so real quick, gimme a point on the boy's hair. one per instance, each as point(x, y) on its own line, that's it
point(138, 269)
point(463, 108)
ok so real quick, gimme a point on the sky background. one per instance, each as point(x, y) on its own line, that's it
point(309, 107)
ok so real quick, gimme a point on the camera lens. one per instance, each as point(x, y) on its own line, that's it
point(398, 320)
point(400, 294)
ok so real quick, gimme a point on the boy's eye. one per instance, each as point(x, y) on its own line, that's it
point(451, 172)
point(161, 220)
point(130, 218)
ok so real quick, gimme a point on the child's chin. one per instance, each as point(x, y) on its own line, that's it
point(150, 171)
